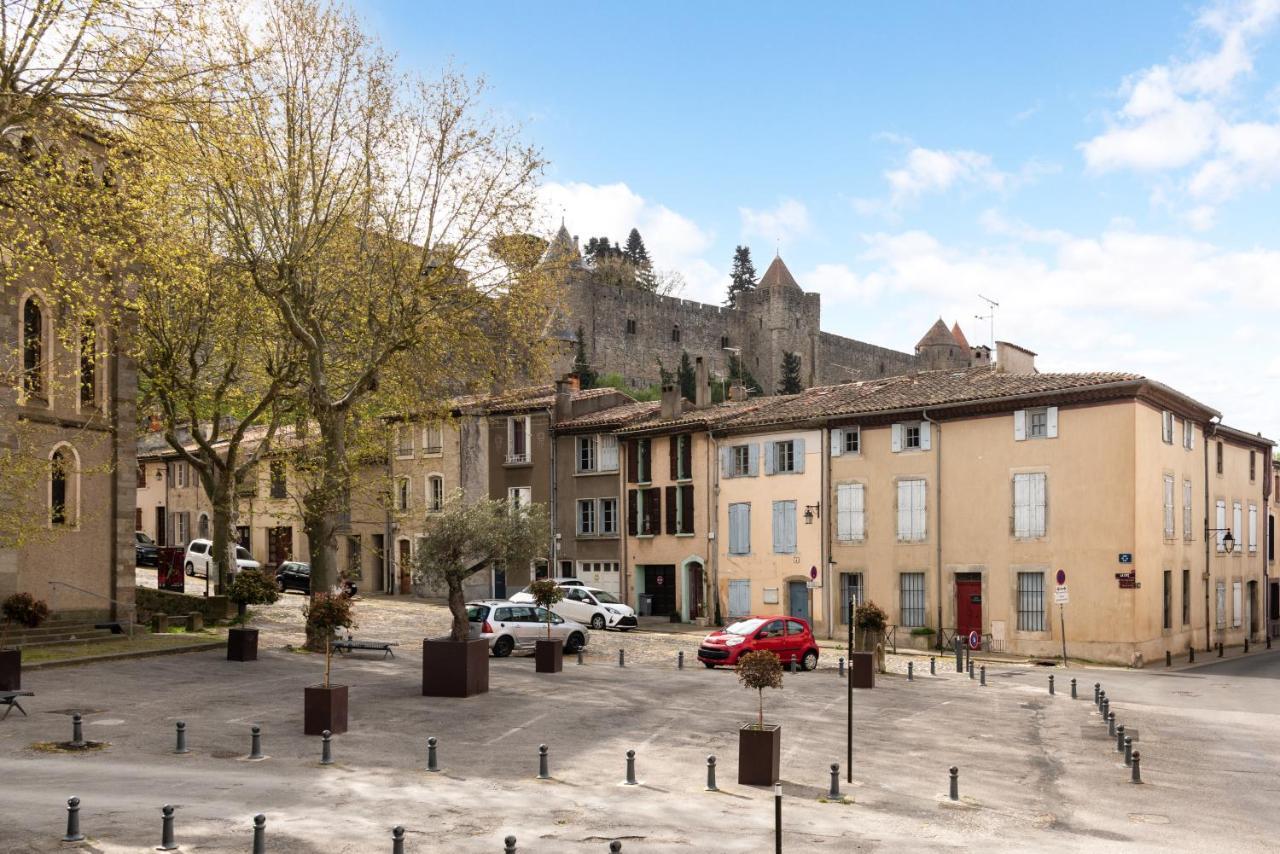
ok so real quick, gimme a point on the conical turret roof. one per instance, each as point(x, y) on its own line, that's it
point(937, 336)
point(958, 334)
point(562, 248)
point(778, 276)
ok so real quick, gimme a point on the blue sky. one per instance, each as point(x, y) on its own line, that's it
point(1106, 171)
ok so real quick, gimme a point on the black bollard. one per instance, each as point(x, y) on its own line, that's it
point(955, 783)
point(911, 671)
point(959, 655)
point(1128, 751)
point(255, 743)
point(73, 821)
point(680, 660)
point(711, 774)
point(1097, 693)
point(777, 818)
point(1268, 641)
point(543, 774)
point(1191, 653)
point(793, 663)
point(842, 667)
point(579, 660)
point(1050, 684)
point(1073, 689)
point(1219, 649)
point(326, 750)
point(631, 768)
point(1246, 644)
point(166, 829)
point(622, 658)
point(1111, 723)
point(433, 763)
point(970, 669)
point(181, 746)
point(397, 840)
point(615, 847)
point(509, 845)
point(1168, 658)
point(1136, 776)
point(1120, 739)
point(834, 792)
point(933, 666)
point(259, 834)
point(983, 672)
point(77, 730)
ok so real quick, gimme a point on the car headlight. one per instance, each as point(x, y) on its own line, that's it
point(612, 610)
point(733, 641)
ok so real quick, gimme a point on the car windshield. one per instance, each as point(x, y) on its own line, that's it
point(243, 553)
point(744, 627)
point(477, 613)
point(145, 540)
point(606, 597)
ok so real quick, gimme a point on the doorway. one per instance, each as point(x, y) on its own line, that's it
point(1251, 612)
point(403, 562)
point(279, 545)
point(693, 590)
point(969, 606)
point(499, 581)
point(798, 600)
point(660, 583)
point(161, 539)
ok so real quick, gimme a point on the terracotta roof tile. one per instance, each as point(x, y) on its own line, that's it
point(614, 416)
point(778, 276)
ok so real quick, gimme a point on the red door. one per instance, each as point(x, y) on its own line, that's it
point(969, 609)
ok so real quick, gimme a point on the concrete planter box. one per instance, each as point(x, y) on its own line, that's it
point(549, 655)
point(862, 669)
point(242, 644)
point(759, 755)
point(324, 709)
point(454, 668)
point(10, 669)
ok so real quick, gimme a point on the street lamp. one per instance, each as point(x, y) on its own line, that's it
point(810, 510)
point(1228, 541)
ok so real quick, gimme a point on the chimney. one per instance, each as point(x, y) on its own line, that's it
point(574, 382)
point(563, 410)
point(1012, 359)
point(671, 402)
point(737, 392)
point(701, 386)
point(154, 425)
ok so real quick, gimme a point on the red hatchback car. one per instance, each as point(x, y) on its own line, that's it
point(785, 637)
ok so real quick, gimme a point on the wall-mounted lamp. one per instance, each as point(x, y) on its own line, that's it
point(1228, 541)
point(811, 510)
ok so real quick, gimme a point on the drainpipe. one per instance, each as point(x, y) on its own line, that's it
point(624, 510)
point(713, 538)
point(553, 566)
point(936, 430)
point(388, 544)
point(1210, 430)
point(824, 549)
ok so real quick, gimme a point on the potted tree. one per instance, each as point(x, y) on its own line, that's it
point(325, 705)
point(249, 587)
point(870, 621)
point(462, 538)
point(548, 651)
point(759, 745)
point(24, 610)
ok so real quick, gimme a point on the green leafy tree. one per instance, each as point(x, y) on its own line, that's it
point(742, 276)
point(638, 255)
point(252, 587)
point(665, 377)
point(686, 378)
point(759, 670)
point(789, 382)
point(581, 367)
point(546, 593)
point(325, 613)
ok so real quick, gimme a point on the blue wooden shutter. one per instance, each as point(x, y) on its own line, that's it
point(799, 454)
point(753, 460)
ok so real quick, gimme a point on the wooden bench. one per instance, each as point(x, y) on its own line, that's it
point(351, 644)
point(10, 699)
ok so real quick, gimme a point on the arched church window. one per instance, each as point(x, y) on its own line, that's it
point(33, 348)
point(59, 474)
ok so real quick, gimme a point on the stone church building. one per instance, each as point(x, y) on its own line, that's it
point(633, 332)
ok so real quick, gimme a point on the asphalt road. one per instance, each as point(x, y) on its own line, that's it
point(1259, 665)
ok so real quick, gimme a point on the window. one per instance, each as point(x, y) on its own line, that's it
point(784, 527)
point(1236, 604)
point(644, 508)
point(517, 439)
point(911, 511)
point(631, 326)
point(1218, 455)
point(850, 590)
point(587, 516)
point(243, 536)
point(60, 470)
point(404, 441)
point(1188, 433)
point(609, 516)
point(912, 588)
point(402, 493)
point(182, 526)
point(33, 366)
point(142, 478)
point(740, 529)
point(1188, 533)
point(586, 453)
point(1253, 466)
point(606, 453)
point(1037, 424)
point(910, 436)
point(784, 457)
point(1166, 432)
point(433, 439)
point(435, 493)
point(675, 334)
point(1221, 524)
point(1222, 604)
point(741, 460)
point(1029, 501)
point(1168, 507)
point(851, 519)
point(1237, 526)
point(1041, 423)
point(681, 454)
point(642, 460)
point(1186, 597)
point(1168, 599)
point(1031, 601)
point(88, 367)
point(852, 440)
point(203, 526)
point(724, 342)
point(1253, 529)
point(519, 496)
point(278, 479)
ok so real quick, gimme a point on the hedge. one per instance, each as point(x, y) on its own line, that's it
point(149, 601)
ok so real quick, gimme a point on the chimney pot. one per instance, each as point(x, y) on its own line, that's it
point(671, 402)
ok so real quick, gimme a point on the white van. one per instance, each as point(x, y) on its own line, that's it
point(199, 558)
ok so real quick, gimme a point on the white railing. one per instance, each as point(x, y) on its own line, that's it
point(133, 608)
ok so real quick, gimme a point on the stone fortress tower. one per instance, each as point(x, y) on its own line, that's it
point(631, 331)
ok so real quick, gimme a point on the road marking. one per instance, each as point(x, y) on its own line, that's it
point(515, 730)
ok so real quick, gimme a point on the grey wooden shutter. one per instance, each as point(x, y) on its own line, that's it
point(753, 460)
point(777, 527)
point(837, 442)
point(769, 450)
point(726, 462)
point(799, 455)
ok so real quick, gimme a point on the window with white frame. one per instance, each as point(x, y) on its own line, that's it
point(1237, 524)
point(404, 441)
point(784, 457)
point(1188, 532)
point(1253, 529)
point(1168, 508)
point(910, 436)
point(1039, 423)
point(586, 453)
point(846, 440)
point(1221, 531)
point(851, 512)
point(1166, 431)
point(1031, 601)
point(608, 516)
point(911, 510)
point(850, 591)
point(740, 460)
point(518, 439)
point(519, 496)
point(1188, 433)
point(912, 593)
point(433, 439)
point(587, 516)
point(402, 493)
point(740, 528)
point(1029, 503)
point(435, 493)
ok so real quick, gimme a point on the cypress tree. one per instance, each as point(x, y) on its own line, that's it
point(742, 277)
point(790, 380)
point(581, 367)
point(686, 377)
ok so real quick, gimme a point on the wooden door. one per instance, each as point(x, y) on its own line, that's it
point(798, 600)
point(403, 564)
point(969, 608)
point(660, 582)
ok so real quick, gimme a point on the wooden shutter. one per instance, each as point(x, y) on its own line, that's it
point(844, 512)
point(904, 509)
point(686, 455)
point(633, 512)
point(686, 509)
point(673, 455)
point(1020, 425)
point(1021, 505)
point(895, 439)
point(769, 449)
point(789, 526)
point(726, 461)
point(633, 471)
point(1051, 422)
point(753, 460)
point(1039, 504)
point(918, 510)
point(653, 508)
point(671, 510)
point(777, 527)
point(798, 455)
point(926, 441)
point(837, 442)
point(739, 528)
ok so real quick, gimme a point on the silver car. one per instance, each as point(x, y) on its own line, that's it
point(517, 625)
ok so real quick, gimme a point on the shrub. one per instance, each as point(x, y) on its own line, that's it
point(759, 670)
point(870, 618)
point(22, 609)
point(326, 613)
point(546, 593)
point(252, 587)
point(921, 631)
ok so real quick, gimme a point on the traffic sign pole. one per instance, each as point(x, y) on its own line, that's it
point(1062, 618)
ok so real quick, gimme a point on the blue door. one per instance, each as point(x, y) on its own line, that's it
point(798, 600)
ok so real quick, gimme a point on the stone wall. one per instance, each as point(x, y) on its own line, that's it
point(844, 359)
point(151, 601)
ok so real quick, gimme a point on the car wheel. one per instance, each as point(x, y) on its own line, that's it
point(576, 642)
point(810, 661)
point(597, 622)
point(708, 665)
point(502, 646)
point(191, 570)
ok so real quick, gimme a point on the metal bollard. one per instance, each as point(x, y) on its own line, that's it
point(181, 746)
point(1111, 723)
point(1136, 777)
point(970, 669)
point(259, 834)
point(580, 655)
point(1168, 658)
point(959, 658)
point(955, 783)
point(255, 743)
point(631, 768)
point(166, 829)
point(1246, 644)
point(983, 672)
point(326, 749)
point(397, 840)
point(777, 818)
point(911, 671)
point(543, 774)
point(842, 667)
point(834, 793)
point(1051, 684)
point(1219, 649)
point(1128, 751)
point(968, 657)
point(1073, 689)
point(73, 821)
point(1104, 706)
point(1191, 654)
point(622, 658)
point(614, 847)
point(1120, 739)
point(793, 663)
point(933, 666)
point(77, 730)
point(711, 774)
point(680, 660)
point(1268, 641)
point(1097, 693)
point(433, 763)
point(509, 845)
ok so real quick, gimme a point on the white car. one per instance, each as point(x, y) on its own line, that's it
point(591, 606)
point(199, 558)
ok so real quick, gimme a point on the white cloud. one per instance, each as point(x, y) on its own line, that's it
point(674, 241)
point(926, 171)
point(788, 219)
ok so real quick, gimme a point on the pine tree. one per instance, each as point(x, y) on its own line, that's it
point(790, 381)
point(581, 367)
point(635, 252)
point(686, 378)
point(738, 373)
point(743, 275)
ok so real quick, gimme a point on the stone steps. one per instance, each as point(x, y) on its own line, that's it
point(48, 635)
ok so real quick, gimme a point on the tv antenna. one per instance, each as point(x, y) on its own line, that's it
point(990, 317)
